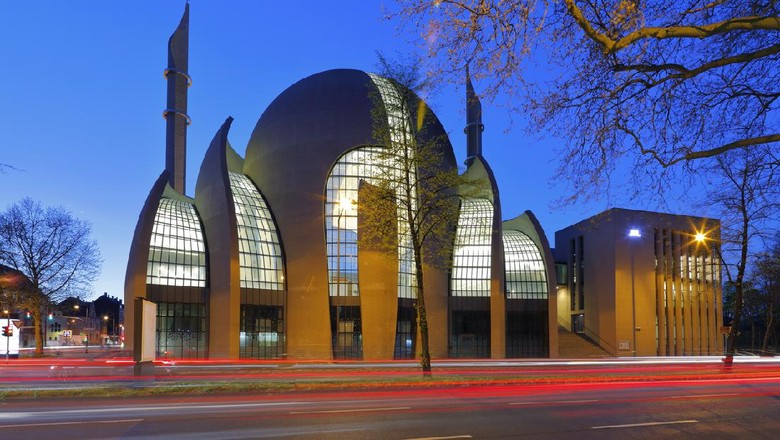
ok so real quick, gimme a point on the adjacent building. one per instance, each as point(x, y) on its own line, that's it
point(641, 283)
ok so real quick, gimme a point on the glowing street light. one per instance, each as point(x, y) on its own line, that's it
point(700, 237)
point(110, 335)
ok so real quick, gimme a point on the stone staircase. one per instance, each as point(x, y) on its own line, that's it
point(574, 346)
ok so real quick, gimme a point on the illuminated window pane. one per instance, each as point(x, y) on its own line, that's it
point(177, 253)
point(471, 259)
point(368, 164)
point(341, 223)
point(260, 258)
point(524, 267)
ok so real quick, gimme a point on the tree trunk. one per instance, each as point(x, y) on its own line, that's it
point(752, 335)
point(422, 314)
point(769, 323)
point(40, 331)
point(738, 285)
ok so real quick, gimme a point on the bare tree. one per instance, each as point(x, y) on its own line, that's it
point(767, 278)
point(414, 178)
point(745, 187)
point(652, 82)
point(53, 250)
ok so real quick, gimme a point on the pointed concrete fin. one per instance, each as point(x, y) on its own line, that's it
point(214, 168)
point(235, 162)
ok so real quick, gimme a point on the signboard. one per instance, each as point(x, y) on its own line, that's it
point(145, 340)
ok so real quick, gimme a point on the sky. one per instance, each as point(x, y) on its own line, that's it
point(82, 93)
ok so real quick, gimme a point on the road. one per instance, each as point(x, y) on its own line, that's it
point(711, 409)
point(53, 373)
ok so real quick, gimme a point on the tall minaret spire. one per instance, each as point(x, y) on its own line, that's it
point(474, 125)
point(175, 113)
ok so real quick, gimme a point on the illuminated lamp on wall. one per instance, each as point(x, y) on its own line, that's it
point(634, 233)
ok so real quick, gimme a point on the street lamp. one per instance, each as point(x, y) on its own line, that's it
point(106, 318)
point(86, 325)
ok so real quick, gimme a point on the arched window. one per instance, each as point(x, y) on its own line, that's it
point(525, 274)
point(177, 252)
point(259, 252)
point(471, 267)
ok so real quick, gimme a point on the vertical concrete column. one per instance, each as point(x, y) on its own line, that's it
point(377, 273)
point(660, 313)
point(668, 298)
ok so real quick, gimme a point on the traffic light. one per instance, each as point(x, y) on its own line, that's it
point(8, 330)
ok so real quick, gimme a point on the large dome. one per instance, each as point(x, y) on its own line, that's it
point(309, 125)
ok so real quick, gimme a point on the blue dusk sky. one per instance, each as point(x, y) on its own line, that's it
point(82, 94)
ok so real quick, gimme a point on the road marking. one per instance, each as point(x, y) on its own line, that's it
point(703, 395)
point(441, 438)
point(83, 422)
point(334, 411)
point(636, 425)
point(126, 409)
point(541, 402)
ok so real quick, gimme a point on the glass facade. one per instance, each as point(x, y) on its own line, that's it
point(177, 251)
point(527, 317)
point(525, 275)
point(471, 259)
point(470, 280)
point(527, 331)
point(341, 195)
point(406, 330)
point(176, 280)
point(259, 252)
point(261, 332)
point(182, 330)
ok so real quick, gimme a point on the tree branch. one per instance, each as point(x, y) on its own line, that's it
point(611, 46)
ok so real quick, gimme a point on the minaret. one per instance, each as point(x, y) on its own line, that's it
point(474, 125)
point(175, 113)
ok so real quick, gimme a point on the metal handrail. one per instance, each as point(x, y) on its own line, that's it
point(591, 335)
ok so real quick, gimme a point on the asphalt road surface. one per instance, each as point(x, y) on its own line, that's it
point(713, 409)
